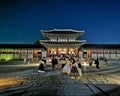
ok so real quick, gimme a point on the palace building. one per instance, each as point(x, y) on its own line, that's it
point(59, 42)
point(62, 42)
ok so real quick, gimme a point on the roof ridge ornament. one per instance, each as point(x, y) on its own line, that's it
point(62, 30)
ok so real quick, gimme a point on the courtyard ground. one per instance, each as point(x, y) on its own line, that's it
point(25, 80)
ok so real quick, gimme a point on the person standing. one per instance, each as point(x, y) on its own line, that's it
point(25, 60)
point(97, 63)
point(106, 61)
point(73, 69)
point(66, 68)
point(79, 69)
point(90, 62)
point(28, 60)
point(54, 62)
point(44, 60)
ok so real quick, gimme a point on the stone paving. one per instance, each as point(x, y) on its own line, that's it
point(55, 83)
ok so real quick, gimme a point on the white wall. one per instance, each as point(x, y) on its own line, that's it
point(94, 55)
point(100, 55)
point(118, 56)
point(44, 54)
point(107, 56)
point(113, 56)
point(81, 54)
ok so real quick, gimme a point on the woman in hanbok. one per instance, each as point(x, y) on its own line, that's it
point(73, 69)
point(79, 68)
point(41, 67)
point(76, 69)
point(66, 68)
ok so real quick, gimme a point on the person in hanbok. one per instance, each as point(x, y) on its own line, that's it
point(79, 68)
point(41, 67)
point(44, 60)
point(66, 68)
point(76, 69)
point(73, 69)
point(25, 60)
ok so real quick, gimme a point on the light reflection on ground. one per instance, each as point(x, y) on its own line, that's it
point(11, 81)
point(12, 75)
point(105, 78)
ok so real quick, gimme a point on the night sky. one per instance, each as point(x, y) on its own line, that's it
point(22, 20)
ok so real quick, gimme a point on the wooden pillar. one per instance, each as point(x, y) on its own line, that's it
point(89, 53)
point(103, 53)
point(116, 53)
point(97, 53)
point(109, 54)
point(57, 52)
point(48, 52)
point(20, 53)
point(13, 54)
point(77, 53)
point(27, 54)
point(67, 51)
point(0, 53)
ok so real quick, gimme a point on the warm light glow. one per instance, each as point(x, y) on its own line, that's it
point(52, 49)
point(35, 52)
point(70, 49)
point(10, 81)
point(61, 50)
point(6, 57)
point(85, 64)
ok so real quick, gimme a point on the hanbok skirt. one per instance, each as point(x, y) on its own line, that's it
point(66, 69)
point(41, 67)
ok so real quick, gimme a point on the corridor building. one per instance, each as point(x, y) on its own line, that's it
point(59, 42)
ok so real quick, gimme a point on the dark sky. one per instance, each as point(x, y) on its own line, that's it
point(22, 20)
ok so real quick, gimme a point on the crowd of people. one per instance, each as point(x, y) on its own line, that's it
point(42, 63)
point(72, 66)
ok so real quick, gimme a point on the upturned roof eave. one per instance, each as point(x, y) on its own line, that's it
point(62, 30)
point(76, 41)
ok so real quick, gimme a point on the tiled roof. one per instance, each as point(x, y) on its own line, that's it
point(109, 46)
point(21, 46)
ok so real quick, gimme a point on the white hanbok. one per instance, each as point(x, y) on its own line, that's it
point(66, 68)
point(78, 69)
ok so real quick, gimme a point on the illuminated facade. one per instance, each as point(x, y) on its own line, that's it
point(59, 42)
point(110, 51)
point(20, 51)
point(62, 42)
